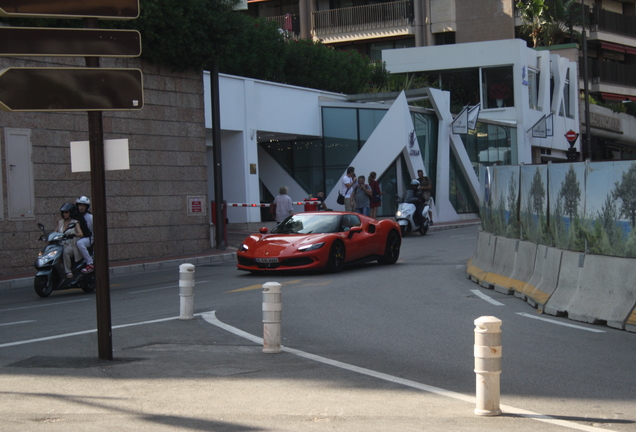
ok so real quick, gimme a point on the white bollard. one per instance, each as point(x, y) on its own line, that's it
point(488, 365)
point(272, 308)
point(186, 291)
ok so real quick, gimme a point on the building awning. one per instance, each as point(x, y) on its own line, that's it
point(617, 97)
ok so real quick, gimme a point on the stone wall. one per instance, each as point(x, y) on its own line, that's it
point(484, 20)
point(147, 204)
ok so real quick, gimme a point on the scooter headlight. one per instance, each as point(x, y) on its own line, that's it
point(398, 214)
point(44, 259)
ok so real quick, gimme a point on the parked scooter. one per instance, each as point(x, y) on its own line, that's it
point(405, 218)
point(50, 274)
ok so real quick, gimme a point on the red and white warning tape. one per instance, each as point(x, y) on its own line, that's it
point(267, 205)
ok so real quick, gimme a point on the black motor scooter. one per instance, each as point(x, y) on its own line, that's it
point(50, 274)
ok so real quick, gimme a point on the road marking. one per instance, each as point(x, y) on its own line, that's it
point(43, 305)
point(483, 296)
point(212, 319)
point(65, 335)
point(17, 322)
point(163, 288)
point(255, 287)
point(560, 323)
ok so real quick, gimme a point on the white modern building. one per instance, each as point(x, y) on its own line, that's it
point(275, 135)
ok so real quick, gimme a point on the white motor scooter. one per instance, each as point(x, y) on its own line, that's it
point(404, 217)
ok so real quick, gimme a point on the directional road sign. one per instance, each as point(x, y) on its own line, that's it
point(38, 41)
point(105, 9)
point(70, 89)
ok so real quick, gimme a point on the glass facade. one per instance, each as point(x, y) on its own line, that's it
point(490, 144)
point(319, 164)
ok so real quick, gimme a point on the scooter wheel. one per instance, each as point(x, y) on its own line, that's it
point(88, 285)
point(43, 286)
point(403, 230)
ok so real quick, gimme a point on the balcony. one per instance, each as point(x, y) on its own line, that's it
point(290, 23)
point(610, 22)
point(610, 73)
point(360, 22)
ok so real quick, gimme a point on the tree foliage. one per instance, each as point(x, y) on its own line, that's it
point(548, 22)
point(570, 192)
point(626, 192)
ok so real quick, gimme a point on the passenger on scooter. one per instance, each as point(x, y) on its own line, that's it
point(414, 196)
point(85, 220)
point(75, 232)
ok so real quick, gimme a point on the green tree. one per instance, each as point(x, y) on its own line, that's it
point(626, 192)
point(534, 17)
point(570, 192)
point(537, 193)
point(548, 22)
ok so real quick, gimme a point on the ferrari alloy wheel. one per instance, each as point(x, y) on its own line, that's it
point(43, 285)
point(392, 249)
point(336, 257)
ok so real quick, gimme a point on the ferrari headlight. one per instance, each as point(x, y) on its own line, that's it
point(310, 247)
point(46, 258)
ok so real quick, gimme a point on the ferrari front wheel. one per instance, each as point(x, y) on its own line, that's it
point(336, 258)
point(392, 248)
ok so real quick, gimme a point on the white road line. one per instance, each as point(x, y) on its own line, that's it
point(163, 288)
point(65, 335)
point(212, 319)
point(43, 305)
point(483, 296)
point(593, 330)
point(17, 322)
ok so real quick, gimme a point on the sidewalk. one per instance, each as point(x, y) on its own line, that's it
point(235, 235)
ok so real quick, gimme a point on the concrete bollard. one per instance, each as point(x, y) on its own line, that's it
point(272, 308)
point(186, 291)
point(488, 365)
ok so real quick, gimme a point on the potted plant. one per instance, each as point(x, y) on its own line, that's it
point(499, 92)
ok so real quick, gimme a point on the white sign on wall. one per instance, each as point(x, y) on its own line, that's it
point(115, 155)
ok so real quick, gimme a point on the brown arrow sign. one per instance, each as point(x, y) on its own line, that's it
point(27, 41)
point(70, 89)
point(105, 9)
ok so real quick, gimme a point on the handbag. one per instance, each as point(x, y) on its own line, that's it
point(376, 197)
point(272, 209)
point(340, 199)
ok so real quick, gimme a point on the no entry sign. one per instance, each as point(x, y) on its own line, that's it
point(571, 136)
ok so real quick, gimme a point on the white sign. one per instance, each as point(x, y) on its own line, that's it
point(197, 206)
point(115, 155)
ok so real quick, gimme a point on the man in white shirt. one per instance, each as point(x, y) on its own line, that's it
point(347, 183)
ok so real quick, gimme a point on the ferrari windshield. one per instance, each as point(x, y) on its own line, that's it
point(309, 224)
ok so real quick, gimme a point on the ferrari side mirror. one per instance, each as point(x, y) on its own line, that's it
point(263, 230)
point(354, 230)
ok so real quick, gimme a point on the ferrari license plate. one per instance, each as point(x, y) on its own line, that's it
point(266, 260)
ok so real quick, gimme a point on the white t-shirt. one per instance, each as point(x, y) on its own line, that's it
point(343, 189)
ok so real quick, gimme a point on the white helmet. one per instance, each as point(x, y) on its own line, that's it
point(83, 200)
point(415, 183)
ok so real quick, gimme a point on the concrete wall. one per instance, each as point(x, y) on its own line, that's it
point(147, 204)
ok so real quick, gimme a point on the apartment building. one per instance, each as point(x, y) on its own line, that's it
point(371, 26)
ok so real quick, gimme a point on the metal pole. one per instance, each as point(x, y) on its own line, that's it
point(586, 91)
point(98, 192)
point(216, 148)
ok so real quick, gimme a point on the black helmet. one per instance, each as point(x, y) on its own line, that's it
point(67, 207)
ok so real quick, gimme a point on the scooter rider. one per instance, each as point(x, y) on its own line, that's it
point(85, 220)
point(414, 196)
point(66, 211)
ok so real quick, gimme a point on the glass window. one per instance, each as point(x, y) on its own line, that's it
point(459, 193)
point(497, 86)
point(533, 89)
point(489, 145)
point(566, 97)
point(340, 130)
point(369, 120)
point(426, 132)
point(463, 86)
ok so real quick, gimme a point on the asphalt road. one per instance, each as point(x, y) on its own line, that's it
point(413, 320)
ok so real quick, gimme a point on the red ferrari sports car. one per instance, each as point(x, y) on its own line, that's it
point(321, 240)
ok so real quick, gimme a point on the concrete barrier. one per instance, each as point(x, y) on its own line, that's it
point(524, 267)
point(603, 293)
point(545, 276)
point(479, 265)
point(502, 267)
